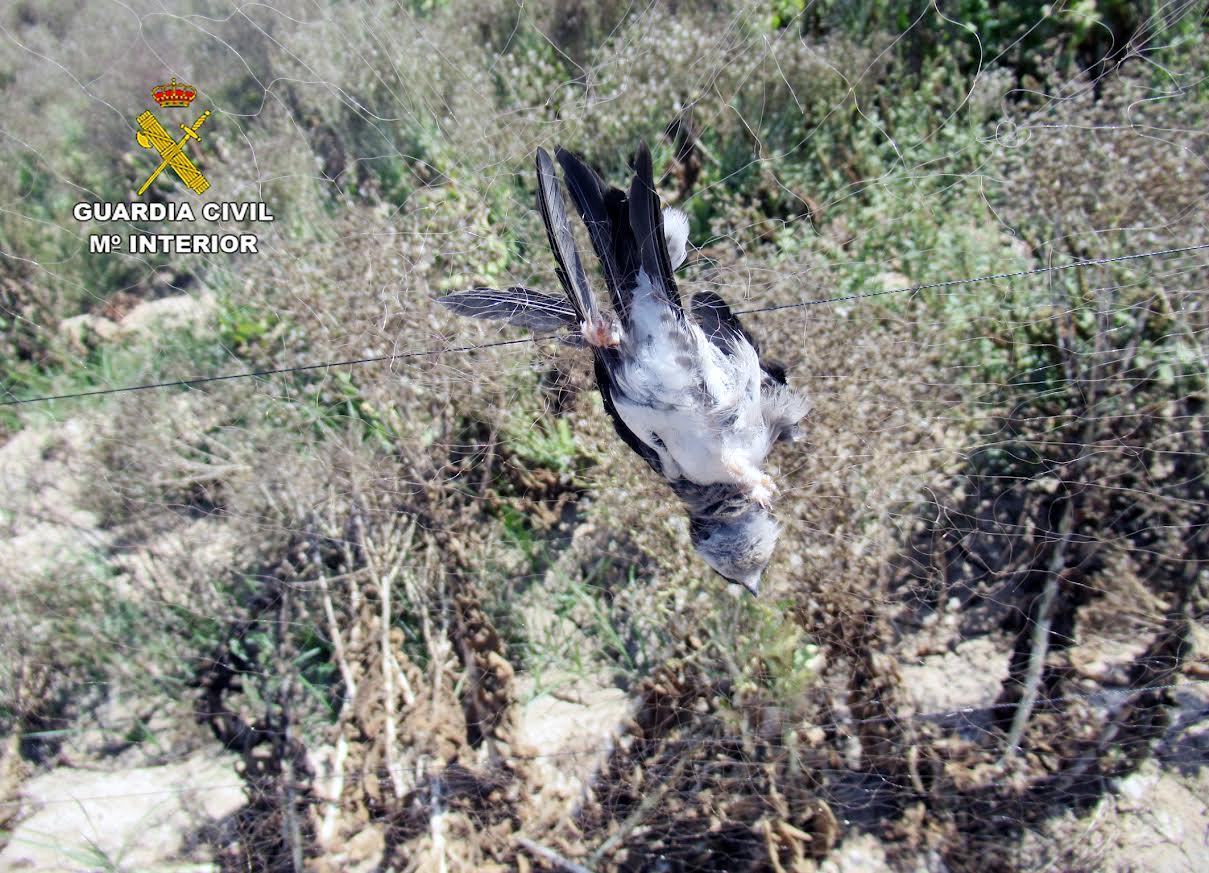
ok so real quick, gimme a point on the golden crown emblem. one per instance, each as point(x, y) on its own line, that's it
point(173, 94)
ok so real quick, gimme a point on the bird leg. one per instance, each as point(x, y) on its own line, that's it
point(755, 483)
point(601, 332)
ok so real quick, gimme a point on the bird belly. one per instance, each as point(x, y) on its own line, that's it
point(696, 438)
point(697, 406)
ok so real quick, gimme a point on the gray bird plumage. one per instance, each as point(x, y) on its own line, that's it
point(687, 390)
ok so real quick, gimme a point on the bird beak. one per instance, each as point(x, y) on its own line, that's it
point(752, 584)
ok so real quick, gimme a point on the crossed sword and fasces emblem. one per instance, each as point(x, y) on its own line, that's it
point(172, 152)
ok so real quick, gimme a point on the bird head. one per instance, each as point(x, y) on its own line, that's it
point(738, 547)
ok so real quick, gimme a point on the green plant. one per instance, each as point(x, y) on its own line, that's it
point(552, 447)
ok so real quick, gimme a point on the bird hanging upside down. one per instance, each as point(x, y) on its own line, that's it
point(687, 390)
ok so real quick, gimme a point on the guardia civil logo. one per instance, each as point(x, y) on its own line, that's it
point(126, 229)
point(171, 151)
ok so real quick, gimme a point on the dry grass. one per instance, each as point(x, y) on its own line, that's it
point(346, 576)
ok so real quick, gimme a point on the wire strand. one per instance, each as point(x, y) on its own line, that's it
point(423, 353)
point(951, 283)
point(202, 380)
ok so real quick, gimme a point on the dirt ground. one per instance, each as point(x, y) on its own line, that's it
point(171, 802)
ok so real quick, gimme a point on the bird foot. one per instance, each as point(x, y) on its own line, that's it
point(758, 486)
point(601, 333)
point(762, 490)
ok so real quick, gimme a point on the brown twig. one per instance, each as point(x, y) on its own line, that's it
point(548, 854)
point(1041, 630)
point(636, 817)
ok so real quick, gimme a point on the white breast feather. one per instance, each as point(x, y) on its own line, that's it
point(704, 413)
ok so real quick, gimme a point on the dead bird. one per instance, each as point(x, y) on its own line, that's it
point(687, 389)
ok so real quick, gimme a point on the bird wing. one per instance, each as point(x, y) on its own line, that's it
point(569, 268)
point(604, 381)
point(518, 306)
point(781, 407)
point(646, 222)
point(720, 324)
point(606, 213)
point(723, 328)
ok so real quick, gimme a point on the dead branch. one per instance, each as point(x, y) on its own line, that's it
point(1043, 620)
point(548, 854)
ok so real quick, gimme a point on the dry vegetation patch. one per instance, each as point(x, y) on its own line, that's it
point(439, 614)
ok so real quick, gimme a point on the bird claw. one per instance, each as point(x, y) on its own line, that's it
point(762, 490)
point(758, 486)
point(601, 333)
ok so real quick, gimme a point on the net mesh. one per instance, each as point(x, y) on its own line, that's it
point(428, 613)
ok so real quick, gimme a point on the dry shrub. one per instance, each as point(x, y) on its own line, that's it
point(349, 567)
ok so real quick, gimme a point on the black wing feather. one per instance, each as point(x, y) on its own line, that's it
point(518, 306)
point(722, 326)
point(646, 221)
point(604, 381)
point(588, 191)
point(625, 249)
point(562, 243)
